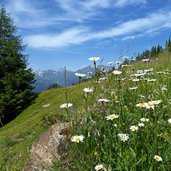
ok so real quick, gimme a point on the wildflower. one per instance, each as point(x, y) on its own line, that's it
point(116, 72)
point(77, 138)
point(144, 119)
point(133, 88)
point(123, 137)
point(135, 80)
point(145, 60)
point(94, 59)
point(99, 167)
point(46, 105)
point(115, 125)
point(104, 100)
point(88, 90)
point(141, 124)
point(169, 120)
point(80, 75)
point(102, 79)
point(150, 80)
point(157, 158)
point(66, 105)
point(133, 128)
point(149, 70)
point(112, 117)
point(149, 105)
point(139, 75)
point(141, 105)
point(155, 102)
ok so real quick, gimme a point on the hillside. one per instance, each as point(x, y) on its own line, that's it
point(18, 136)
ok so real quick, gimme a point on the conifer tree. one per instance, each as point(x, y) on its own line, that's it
point(15, 78)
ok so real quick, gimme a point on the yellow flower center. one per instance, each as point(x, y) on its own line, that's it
point(142, 105)
point(77, 138)
point(112, 117)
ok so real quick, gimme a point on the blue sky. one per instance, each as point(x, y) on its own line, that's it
point(62, 33)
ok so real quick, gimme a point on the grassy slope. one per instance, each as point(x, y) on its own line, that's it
point(17, 137)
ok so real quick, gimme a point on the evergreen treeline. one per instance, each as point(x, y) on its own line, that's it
point(153, 53)
point(15, 78)
point(155, 50)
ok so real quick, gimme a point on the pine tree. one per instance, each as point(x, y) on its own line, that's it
point(15, 79)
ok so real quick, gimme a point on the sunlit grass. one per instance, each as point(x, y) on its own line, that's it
point(118, 121)
point(125, 120)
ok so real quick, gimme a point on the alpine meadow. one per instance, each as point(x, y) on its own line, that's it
point(116, 117)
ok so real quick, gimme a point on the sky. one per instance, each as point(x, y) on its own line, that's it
point(61, 33)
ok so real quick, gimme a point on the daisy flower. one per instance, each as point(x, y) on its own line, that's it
point(156, 102)
point(150, 105)
point(104, 100)
point(66, 105)
point(123, 137)
point(135, 80)
point(112, 117)
point(99, 167)
point(77, 138)
point(94, 59)
point(46, 105)
point(141, 124)
point(141, 105)
point(157, 158)
point(116, 72)
point(133, 88)
point(88, 90)
point(133, 128)
point(80, 75)
point(144, 119)
point(169, 120)
point(145, 60)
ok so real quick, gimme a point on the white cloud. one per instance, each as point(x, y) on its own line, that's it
point(68, 37)
point(123, 3)
point(29, 14)
point(81, 10)
point(152, 23)
point(35, 14)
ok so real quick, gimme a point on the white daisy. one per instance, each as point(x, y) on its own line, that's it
point(66, 105)
point(123, 137)
point(133, 128)
point(77, 138)
point(99, 167)
point(94, 59)
point(157, 158)
point(116, 72)
point(112, 117)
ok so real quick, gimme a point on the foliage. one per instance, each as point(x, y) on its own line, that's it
point(15, 79)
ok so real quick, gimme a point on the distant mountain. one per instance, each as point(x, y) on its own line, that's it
point(44, 79)
point(90, 69)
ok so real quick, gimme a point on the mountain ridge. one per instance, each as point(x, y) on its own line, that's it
point(45, 78)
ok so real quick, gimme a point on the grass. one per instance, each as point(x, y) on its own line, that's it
point(126, 142)
point(17, 137)
point(101, 143)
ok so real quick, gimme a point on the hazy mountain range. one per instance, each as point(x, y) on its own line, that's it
point(44, 79)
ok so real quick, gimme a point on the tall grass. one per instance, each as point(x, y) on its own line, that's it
point(124, 122)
